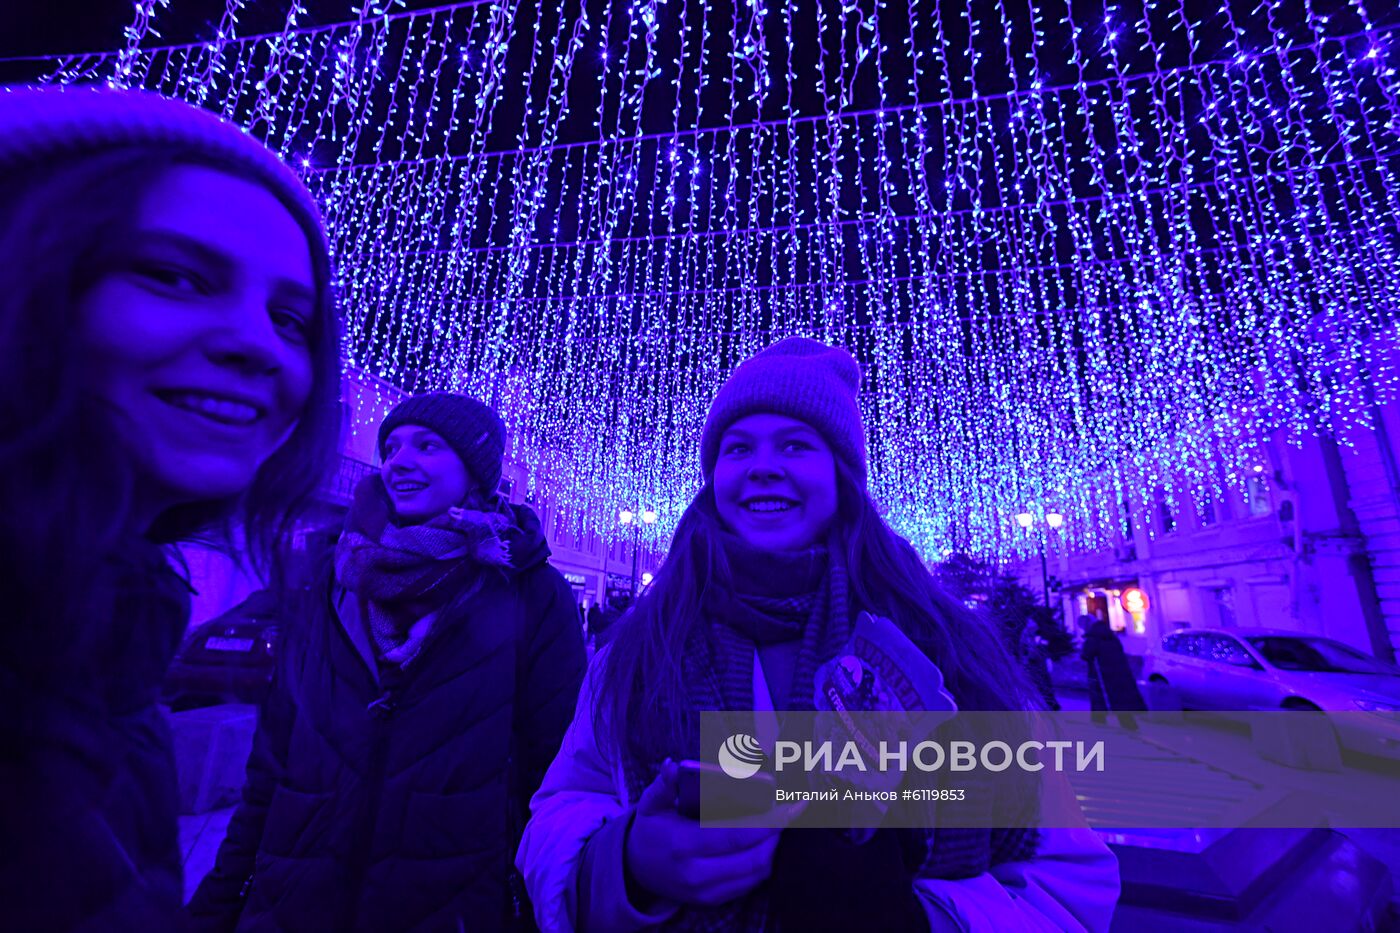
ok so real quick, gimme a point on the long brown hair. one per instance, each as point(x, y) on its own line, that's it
point(66, 481)
point(640, 705)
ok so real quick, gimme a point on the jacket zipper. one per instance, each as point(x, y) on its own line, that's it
point(380, 711)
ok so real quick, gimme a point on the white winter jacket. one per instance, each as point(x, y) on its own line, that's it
point(1071, 884)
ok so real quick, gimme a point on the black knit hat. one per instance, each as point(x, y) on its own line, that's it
point(474, 431)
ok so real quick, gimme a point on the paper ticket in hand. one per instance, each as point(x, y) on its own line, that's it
point(879, 670)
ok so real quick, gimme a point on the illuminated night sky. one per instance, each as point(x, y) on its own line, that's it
point(1084, 251)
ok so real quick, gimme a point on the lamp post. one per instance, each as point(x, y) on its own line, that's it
point(1053, 520)
point(629, 518)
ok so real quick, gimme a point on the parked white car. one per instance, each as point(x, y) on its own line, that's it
point(1267, 669)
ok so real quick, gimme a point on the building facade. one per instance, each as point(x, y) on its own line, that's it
point(597, 569)
point(1311, 543)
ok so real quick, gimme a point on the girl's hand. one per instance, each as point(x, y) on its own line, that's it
point(673, 857)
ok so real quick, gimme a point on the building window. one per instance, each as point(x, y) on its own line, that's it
point(1256, 495)
point(1225, 606)
point(1207, 513)
point(1166, 512)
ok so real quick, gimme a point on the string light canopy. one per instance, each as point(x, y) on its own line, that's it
point(1087, 253)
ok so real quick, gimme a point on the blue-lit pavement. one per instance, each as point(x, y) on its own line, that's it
point(1308, 878)
point(1304, 879)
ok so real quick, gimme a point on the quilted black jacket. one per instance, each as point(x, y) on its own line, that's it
point(88, 837)
point(377, 807)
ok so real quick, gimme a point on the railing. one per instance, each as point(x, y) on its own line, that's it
point(340, 488)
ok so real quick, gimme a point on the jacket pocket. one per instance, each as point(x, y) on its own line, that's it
point(296, 822)
point(451, 825)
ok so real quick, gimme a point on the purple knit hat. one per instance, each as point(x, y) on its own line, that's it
point(42, 124)
point(802, 378)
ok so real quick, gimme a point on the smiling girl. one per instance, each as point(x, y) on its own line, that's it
point(768, 569)
point(170, 371)
point(413, 715)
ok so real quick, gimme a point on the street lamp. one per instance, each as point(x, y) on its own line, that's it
point(1054, 520)
point(628, 517)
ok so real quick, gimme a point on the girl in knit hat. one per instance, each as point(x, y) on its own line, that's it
point(767, 570)
point(170, 370)
point(414, 711)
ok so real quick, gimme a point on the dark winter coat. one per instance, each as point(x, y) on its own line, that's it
point(377, 805)
point(607, 618)
point(1111, 683)
point(88, 826)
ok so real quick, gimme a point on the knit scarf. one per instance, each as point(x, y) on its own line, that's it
point(406, 575)
point(776, 597)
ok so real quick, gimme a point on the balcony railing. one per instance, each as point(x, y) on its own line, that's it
point(340, 488)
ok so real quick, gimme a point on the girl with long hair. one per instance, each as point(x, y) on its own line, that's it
point(413, 714)
point(769, 566)
point(170, 373)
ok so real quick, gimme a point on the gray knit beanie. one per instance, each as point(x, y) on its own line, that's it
point(802, 378)
point(43, 124)
point(473, 430)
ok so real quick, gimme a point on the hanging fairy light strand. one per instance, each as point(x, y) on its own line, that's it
point(1089, 263)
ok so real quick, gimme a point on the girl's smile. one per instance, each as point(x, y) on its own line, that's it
point(198, 329)
point(422, 474)
point(775, 482)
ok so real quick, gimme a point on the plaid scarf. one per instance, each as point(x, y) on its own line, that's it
point(407, 574)
point(777, 597)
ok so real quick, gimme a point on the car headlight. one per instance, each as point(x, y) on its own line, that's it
point(1371, 706)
